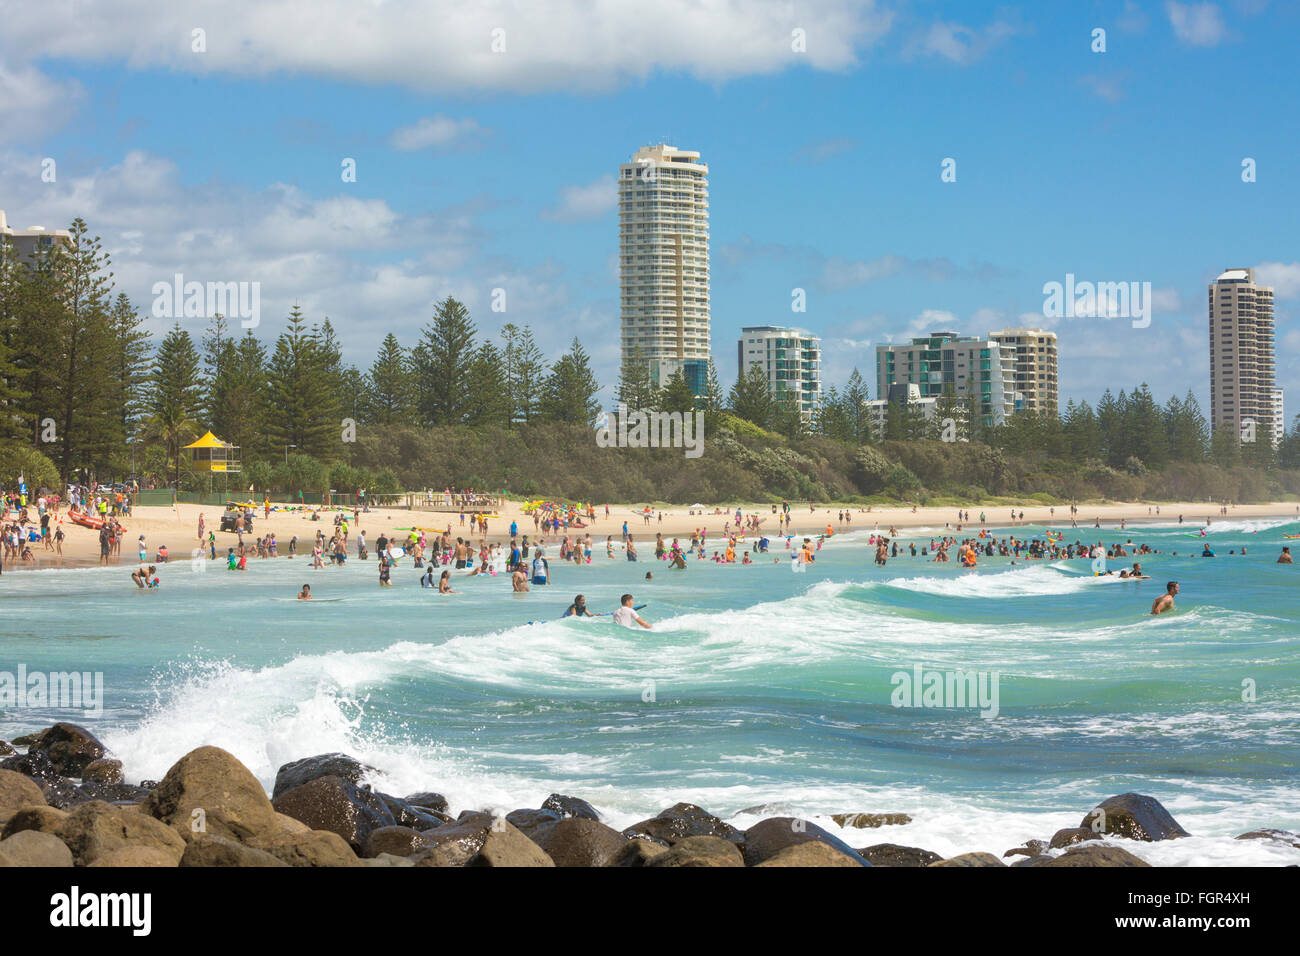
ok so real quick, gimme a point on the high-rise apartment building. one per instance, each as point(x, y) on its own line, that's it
point(23, 243)
point(970, 366)
point(663, 217)
point(1035, 375)
point(1242, 373)
point(792, 359)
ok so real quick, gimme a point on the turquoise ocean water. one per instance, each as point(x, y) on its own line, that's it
point(757, 686)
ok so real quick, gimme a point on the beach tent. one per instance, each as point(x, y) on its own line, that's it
point(210, 453)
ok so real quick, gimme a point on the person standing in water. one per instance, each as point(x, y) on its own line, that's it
point(1166, 601)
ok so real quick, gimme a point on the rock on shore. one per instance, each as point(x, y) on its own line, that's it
point(63, 802)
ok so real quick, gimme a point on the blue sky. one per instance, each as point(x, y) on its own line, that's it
point(479, 170)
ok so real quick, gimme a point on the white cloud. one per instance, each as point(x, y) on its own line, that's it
point(959, 43)
point(1284, 277)
point(1107, 87)
point(1196, 24)
point(436, 133)
point(584, 203)
point(32, 104)
point(449, 46)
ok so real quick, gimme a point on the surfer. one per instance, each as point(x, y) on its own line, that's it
point(305, 593)
point(578, 608)
point(1166, 601)
point(626, 614)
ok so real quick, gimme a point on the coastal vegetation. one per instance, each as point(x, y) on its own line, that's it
point(87, 392)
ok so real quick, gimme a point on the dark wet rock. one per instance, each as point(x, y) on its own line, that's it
point(34, 848)
point(70, 748)
point(397, 841)
point(812, 853)
point(208, 849)
point(578, 841)
point(304, 771)
point(407, 815)
point(870, 820)
point(769, 837)
point(1094, 854)
point(529, 820)
point(34, 764)
point(506, 846)
point(971, 859)
point(1031, 848)
point(25, 740)
point(637, 853)
point(63, 793)
point(428, 800)
point(1135, 816)
point(332, 803)
point(95, 830)
point(680, 821)
point(1276, 836)
point(148, 784)
point(570, 807)
point(700, 851)
point(103, 770)
point(455, 844)
point(112, 792)
point(891, 854)
point(1072, 835)
point(17, 791)
point(209, 791)
point(6, 749)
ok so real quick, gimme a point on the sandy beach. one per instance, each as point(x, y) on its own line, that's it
point(177, 527)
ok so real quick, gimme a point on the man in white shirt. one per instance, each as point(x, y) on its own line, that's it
point(626, 614)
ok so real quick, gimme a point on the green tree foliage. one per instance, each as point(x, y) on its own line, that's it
point(441, 362)
point(175, 395)
point(569, 392)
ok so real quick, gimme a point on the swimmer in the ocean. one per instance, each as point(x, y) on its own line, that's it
point(1166, 601)
point(305, 593)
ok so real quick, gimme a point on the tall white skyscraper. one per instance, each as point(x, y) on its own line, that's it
point(663, 220)
point(792, 359)
point(1242, 374)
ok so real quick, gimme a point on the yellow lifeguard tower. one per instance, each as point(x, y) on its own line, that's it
point(210, 454)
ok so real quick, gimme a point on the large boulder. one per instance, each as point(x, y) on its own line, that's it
point(700, 851)
point(229, 800)
point(427, 800)
point(579, 841)
point(1031, 848)
point(96, 829)
point(332, 803)
point(1133, 815)
point(394, 841)
point(304, 771)
point(1093, 854)
point(135, 856)
point(16, 791)
point(455, 844)
point(527, 821)
point(637, 853)
point(570, 807)
point(680, 821)
point(33, 848)
point(208, 849)
point(891, 854)
point(971, 859)
point(506, 846)
point(103, 770)
point(34, 764)
point(408, 815)
point(35, 817)
point(70, 747)
point(812, 853)
point(308, 848)
point(769, 837)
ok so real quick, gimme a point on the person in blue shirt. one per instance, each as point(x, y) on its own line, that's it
point(541, 569)
point(514, 529)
